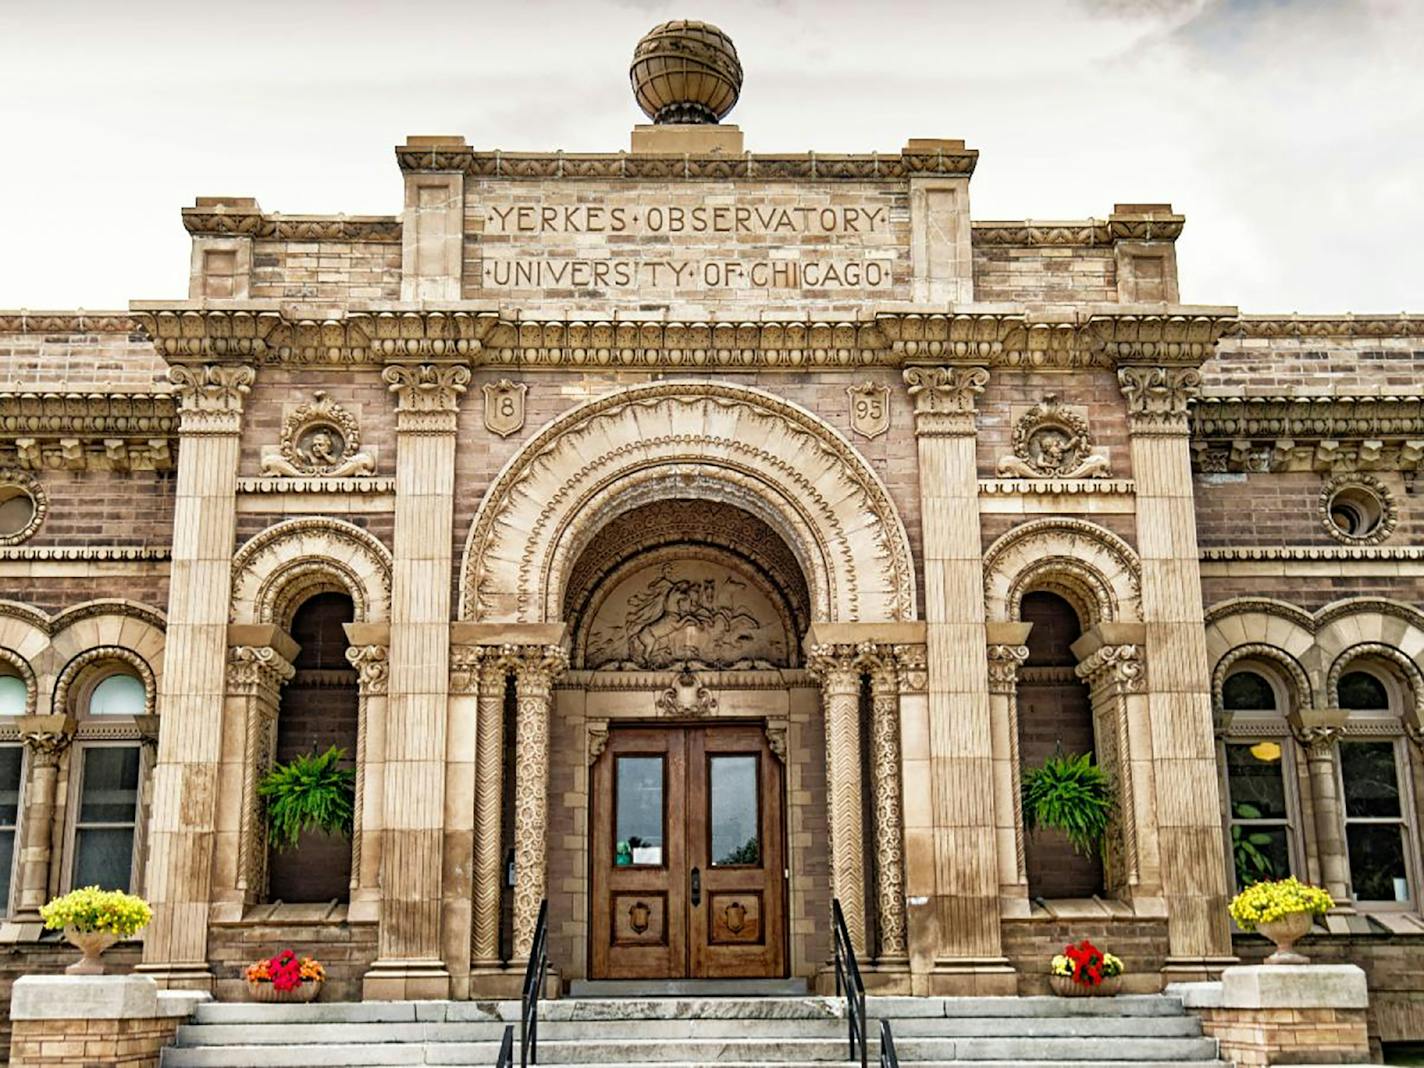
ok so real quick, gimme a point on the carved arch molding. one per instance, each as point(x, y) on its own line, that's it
point(687, 440)
point(1094, 569)
point(279, 568)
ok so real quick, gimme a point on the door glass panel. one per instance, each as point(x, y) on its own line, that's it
point(735, 803)
point(638, 835)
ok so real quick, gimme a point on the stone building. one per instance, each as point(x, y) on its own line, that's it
point(688, 537)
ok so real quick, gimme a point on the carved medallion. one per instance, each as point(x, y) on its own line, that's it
point(1051, 441)
point(320, 438)
point(869, 409)
point(504, 406)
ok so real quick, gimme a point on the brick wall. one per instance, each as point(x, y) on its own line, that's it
point(98, 508)
point(1031, 944)
point(1266, 366)
point(340, 271)
point(145, 582)
point(1041, 275)
point(346, 949)
point(1284, 509)
point(43, 363)
point(49, 957)
point(88, 1043)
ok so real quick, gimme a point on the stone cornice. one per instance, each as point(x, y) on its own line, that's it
point(66, 322)
point(596, 166)
point(1226, 417)
point(223, 221)
point(1076, 233)
point(1329, 326)
point(110, 553)
point(1315, 552)
point(50, 415)
point(990, 487)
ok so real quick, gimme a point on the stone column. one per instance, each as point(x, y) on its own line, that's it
point(1005, 659)
point(489, 805)
point(46, 738)
point(179, 884)
point(966, 885)
point(535, 668)
point(837, 669)
point(409, 962)
point(255, 677)
point(887, 811)
point(1179, 697)
point(1318, 739)
point(372, 664)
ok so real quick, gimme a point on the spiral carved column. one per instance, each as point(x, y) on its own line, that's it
point(837, 668)
point(535, 668)
point(489, 798)
point(889, 829)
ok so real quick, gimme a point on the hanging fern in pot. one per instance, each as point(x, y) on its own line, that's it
point(310, 792)
point(1069, 794)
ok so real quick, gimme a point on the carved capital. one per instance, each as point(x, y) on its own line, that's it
point(912, 662)
point(211, 396)
point(257, 671)
point(597, 739)
point(836, 667)
point(944, 397)
point(878, 661)
point(1118, 666)
point(47, 739)
point(466, 666)
point(1318, 739)
point(535, 667)
point(372, 666)
point(427, 395)
point(1157, 397)
point(1004, 664)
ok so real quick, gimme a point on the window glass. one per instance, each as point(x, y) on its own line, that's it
point(638, 836)
point(1371, 786)
point(1374, 821)
point(108, 809)
point(10, 763)
point(118, 695)
point(1246, 691)
point(13, 695)
point(1260, 831)
point(736, 837)
point(1361, 691)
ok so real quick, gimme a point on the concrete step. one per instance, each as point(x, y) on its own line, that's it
point(1052, 1049)
point(897, 1008)
point(671, 988)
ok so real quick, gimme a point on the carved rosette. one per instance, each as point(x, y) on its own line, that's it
point(944, 398)
point(427, 395)
point(1004, 664)
point(320, 439)
point(372, 667)
point(211, 396)
point(1318, 740)
point(879, 661)
point(535, 668)
point(1051, 441)
point(1158, 397)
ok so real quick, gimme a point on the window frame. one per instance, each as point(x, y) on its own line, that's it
point(74, 796)
point(7, 904)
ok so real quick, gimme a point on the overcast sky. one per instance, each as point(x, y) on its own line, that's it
point(1290, 132)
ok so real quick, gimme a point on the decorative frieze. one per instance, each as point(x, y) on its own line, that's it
point(319, 439)
point(1052, 441)
point(223, 221)
point(1299, 553)
point(1084, 233)
point(363, 486)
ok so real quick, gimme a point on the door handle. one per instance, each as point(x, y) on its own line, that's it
point(696, 886)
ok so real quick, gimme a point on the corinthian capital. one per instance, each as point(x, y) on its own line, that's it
point(535, 667)
point(372, 666)
point(1004, 664)
point(427, 394)
point(1113, 665)
point(46, 737)
point(836, 667)
point(210, 396)
point(1157, 397)
point(944, 397)
point(254, 670)
point(1318, 739)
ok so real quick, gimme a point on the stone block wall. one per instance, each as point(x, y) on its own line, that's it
point(65, 357)
point(326, 271)
point(346, 949)
point(1287, 1036)
point(86, 1043)
point(50, 957)
point(1039, 275)
point(1030, 945)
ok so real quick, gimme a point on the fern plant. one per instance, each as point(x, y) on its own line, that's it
point(311, 792)
point(1069, 794)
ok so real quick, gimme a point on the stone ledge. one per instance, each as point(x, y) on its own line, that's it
point(84, 997)
point(1315, 986)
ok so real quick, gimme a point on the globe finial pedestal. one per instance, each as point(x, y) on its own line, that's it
point(686, 77)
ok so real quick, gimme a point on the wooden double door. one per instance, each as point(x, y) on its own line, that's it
point(688, 854)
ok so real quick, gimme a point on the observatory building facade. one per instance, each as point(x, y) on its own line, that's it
point(683, 538)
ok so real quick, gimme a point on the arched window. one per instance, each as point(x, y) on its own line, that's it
point(1380, 834)
point(14, 694)
point(118, 694)
point(1262, 814)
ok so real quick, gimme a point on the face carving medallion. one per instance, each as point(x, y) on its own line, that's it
point(319, 439)
point(1051, 441)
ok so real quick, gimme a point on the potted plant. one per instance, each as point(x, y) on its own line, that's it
point(285, 978)
point(1083, 970)
point(1069, 794)
point(1282, 910)
point(310, 792)
point(93, 920)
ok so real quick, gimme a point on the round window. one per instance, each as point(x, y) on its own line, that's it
point(1359, 510)
point(18, 512)
point(14, 695)
point(118, 695)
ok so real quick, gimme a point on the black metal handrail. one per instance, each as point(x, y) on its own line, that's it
point(506, 1048)
point(888, 1057)
point(848, 980)
point(534, 976)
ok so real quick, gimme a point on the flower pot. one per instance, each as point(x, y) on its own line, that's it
point(1065, 987)
point(300, 994)
point(91, 944)
point(1285, 933)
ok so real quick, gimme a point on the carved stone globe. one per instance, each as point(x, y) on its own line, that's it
point(686, 72)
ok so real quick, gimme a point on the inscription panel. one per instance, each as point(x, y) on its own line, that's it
point(623, 243)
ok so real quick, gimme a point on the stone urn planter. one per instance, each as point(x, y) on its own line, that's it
point(92, 944)
point(1065, 987)
point(1285, 933)
point(300, 994)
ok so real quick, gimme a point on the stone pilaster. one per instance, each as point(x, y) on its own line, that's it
point(837, 668)
point(535, 668)
point(1317, 737)
point(409, 962)
point(372, 663)
point(886, 808)
point(1179, 697)
point(179, 886)
point(965, 885)
point(489, 803)
point(46, 739)
point(1006, 656)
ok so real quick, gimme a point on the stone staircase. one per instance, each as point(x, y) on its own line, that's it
point(789, 1032)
